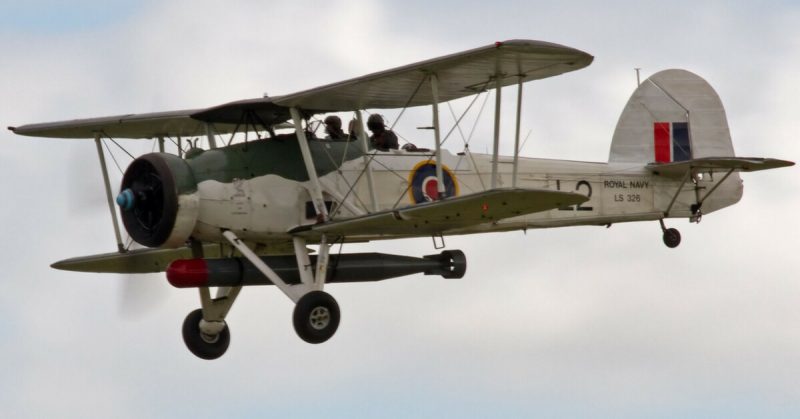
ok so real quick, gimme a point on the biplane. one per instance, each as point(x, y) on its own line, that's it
point(244, 212)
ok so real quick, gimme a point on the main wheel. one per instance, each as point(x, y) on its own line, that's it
point(316, 317)
point(672, 237)
point(200, 344)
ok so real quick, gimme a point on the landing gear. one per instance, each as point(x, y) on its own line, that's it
point(671, 236)
point(316, 313)
point(202, 343)
point(316, 317)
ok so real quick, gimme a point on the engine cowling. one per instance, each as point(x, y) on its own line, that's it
point(158, 200)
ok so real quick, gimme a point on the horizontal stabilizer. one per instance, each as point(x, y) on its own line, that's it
point(717, 164)
point(441, 216)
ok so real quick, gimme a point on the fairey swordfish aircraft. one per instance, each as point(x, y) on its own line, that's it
point(244, 212)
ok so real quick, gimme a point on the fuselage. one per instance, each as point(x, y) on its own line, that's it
point(260, 189)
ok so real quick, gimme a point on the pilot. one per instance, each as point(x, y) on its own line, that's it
point(333, 127)
point(382, 139)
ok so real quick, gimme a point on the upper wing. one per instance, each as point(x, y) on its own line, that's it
point(461, 74)
point(717, 164)
point(148, 125)
point(440, 216)
point(185, 123)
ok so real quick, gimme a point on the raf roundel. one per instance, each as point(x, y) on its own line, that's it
point(425, 185)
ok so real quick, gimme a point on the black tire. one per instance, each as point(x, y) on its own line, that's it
point(316, 317)
point(203, 346)
point(672, 238)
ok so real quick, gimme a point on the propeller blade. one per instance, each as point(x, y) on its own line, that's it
point(140, 295)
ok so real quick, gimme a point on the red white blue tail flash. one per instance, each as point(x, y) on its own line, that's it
point(671, 142)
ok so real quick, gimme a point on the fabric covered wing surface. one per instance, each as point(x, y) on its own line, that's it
point(136, 126)
point(440, 216)
point(461, 74)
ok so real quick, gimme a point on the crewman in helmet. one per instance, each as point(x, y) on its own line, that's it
point(333, 127)
point(382, 138)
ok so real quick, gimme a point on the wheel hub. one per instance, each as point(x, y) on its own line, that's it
point(320, 318)
point(209, 338)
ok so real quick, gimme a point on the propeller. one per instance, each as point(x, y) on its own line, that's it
point(143, 201)
point(137, 295)
point(148, 202)
point(140, 294)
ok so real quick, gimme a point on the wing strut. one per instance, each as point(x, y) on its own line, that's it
point(212, 142)
point(316, 189)
point(516, 134)
point(362, 135)
point(107, 184)
point(496, 148)
point(439, 172)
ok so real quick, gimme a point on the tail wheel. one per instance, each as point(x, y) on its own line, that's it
point(672, 237)
point(202, 345)
point(316, 317)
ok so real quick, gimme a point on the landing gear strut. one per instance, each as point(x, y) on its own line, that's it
point(671, 236)
point(316, 314)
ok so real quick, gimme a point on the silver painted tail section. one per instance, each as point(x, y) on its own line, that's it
point(670, 99)
point(671, 96)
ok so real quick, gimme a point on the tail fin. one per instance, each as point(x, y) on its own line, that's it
point(672, 116)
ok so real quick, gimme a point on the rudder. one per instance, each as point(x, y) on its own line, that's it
point(674, 115)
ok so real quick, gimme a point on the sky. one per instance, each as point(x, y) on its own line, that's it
point(572, 322)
